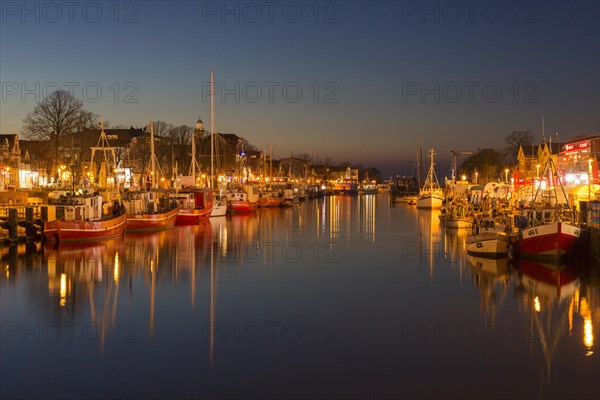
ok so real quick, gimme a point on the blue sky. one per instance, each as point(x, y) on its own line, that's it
point(375, 78)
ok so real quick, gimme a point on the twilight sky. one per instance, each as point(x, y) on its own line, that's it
point(350, 80)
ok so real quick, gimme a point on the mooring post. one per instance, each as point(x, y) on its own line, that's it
point(30, 229)
point(12, 223)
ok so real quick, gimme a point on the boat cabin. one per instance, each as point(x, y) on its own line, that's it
point(197, 199)
point(75, 208)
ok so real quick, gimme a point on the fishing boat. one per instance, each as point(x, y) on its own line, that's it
point(488, 239)
point(458, 215)
point(219, 207)
point(547, 228)
point(150, 209)
point(194, 205)
point(290, 195)
point(348, 185)
point(83, 218)
point(431, 195)
point(270, 198)
point(555, 239)
point(243, 199)
point(367, 188)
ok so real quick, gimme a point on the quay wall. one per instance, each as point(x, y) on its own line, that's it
point(594, 244)
point(13, 197)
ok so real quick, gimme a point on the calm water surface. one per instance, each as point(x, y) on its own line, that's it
point(342, 297)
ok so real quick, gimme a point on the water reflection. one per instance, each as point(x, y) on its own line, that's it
point(177, 287)
point(430, 235)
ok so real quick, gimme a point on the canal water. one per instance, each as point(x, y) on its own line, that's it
point(339, 297)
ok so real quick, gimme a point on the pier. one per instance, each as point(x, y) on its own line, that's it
point(21, 223)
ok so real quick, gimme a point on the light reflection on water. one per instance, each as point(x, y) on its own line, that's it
point(344, 297)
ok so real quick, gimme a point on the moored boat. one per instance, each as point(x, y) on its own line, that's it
point(81, 218)
point(243, 200)
point(547, 227)
point(194, 205)
point(270, 199)
point(552, 240)
point(219, 207)
point(458, 215)
point(489, 244)
point(488, 239)
point(431, 196)
point(150, 209)
point(146, 211)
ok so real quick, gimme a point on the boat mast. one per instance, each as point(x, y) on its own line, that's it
point(270, 163)
point(212, 129)
point(431, 172)
point(419, 156)
point(194, 157)
point(152, 165)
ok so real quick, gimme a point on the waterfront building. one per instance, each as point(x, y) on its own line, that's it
point(578, 160)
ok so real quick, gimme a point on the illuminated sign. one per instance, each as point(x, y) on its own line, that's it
point(577, 146)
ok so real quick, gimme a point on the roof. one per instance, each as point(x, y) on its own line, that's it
point(116, 137)
point(10, 137)
point(581, 138)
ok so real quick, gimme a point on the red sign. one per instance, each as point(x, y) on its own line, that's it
point(577, 146)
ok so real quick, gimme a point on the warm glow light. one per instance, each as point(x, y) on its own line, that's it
point(588, 336)
point(116, 269)
point(536, 304)
point(63, 290)
point(588, 328)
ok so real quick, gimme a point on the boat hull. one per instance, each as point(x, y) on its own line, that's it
point(152, 221)
point(488, 245)
point(429, 202)
point(192, 215)
point(242, 206)
point(218, 210)
point(270, 201)
point(84, 231)
point(554, 241)
point(457, 223)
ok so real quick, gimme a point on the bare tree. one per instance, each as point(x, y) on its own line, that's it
point(181, 140)
point(513, 142)
point(56, 119)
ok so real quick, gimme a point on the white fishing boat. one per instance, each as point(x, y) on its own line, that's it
point(431, 196)
point(488, 239)
point(458, 215)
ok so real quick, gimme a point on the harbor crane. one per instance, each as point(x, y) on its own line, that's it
point(455, 155)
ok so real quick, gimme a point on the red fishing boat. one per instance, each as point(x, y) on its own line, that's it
point(194, 205)
point(547, 225)
point(270, 198)
point(148, 211)
point(550, 240)
point(83, 218)
point(243, 200)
